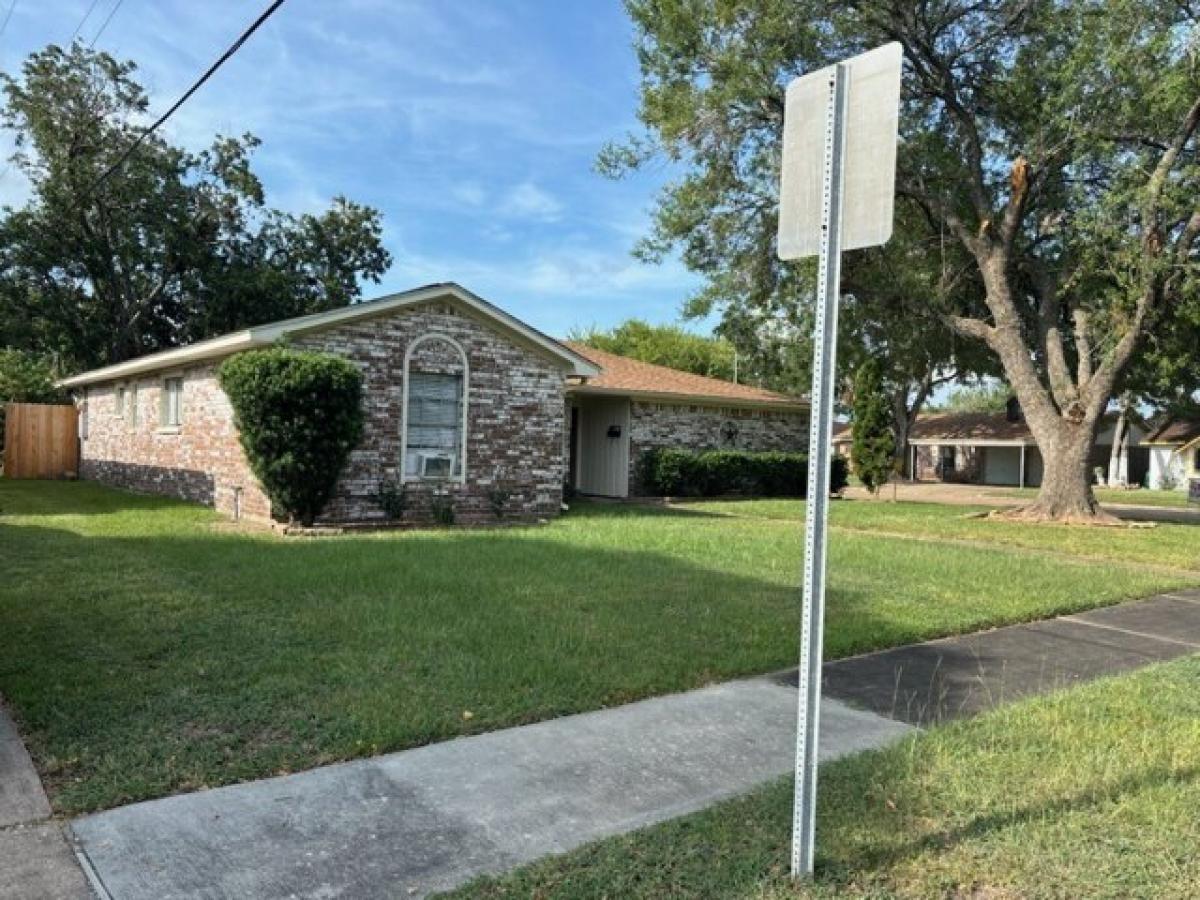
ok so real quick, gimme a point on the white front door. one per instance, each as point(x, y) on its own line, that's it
point(603, 450)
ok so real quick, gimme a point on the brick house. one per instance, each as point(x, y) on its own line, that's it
point(459, 398)
point(995, 449)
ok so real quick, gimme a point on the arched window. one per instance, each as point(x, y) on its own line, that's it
point(434, 424)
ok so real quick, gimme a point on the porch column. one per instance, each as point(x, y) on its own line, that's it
point(1022, 478)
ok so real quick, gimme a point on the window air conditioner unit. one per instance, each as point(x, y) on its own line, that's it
point(436, 465)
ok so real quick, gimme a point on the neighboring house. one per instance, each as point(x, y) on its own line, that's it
point(459, 398)
point(1174, 454)
point(996, 449)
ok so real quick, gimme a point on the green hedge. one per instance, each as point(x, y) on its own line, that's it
point(665, 472)
point(299, 414)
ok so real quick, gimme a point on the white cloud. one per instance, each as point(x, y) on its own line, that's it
point(469, 193)
point(528, 201)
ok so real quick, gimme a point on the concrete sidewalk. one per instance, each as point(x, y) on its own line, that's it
point(35, 860)
point(429, 819)
point(923, 684)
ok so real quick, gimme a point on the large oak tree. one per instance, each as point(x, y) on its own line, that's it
point(107, 261)
point(1053, 143)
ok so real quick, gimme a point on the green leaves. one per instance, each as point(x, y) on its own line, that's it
point(873, 446)
point(665, 345)
point(172, 246)
point(299, 414)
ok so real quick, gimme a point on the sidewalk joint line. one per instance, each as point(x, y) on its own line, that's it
point(1130, 631)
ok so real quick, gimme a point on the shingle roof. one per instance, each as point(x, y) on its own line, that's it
point(956, 426)
point(1175, 431)
point(969, 427)
point(622, 375)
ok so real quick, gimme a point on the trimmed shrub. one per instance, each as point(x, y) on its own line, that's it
point(839, 474)
point(441, 508)
point(679, 473)
point(299, 414)
point(392, 497)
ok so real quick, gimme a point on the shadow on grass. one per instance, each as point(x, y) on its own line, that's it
point(148, 664)
point(81, 498)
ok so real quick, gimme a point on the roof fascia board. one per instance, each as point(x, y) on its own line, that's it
point(263, 335)
point(971, 442)
point(181, 356)
point(689, 399)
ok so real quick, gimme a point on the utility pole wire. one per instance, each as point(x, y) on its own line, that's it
point(8, 15)
point(195, 87)
point(112, 12)
point(87, 15)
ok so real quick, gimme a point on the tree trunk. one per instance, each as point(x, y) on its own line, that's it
point(1066, 493)
point(1119, 449)
point(901, 425)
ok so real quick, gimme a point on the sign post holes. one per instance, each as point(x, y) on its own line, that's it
point(837, 193)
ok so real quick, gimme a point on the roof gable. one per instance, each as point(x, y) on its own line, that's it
point(269, 333)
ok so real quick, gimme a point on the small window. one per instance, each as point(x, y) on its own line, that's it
point(83, 416)
point(119, 401)
point(1196, 460)
point(435, 426)
point(171, 413)
point(133, 405)
point(949, 459)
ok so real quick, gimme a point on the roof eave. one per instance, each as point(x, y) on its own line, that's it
point(167, 359)
point(263, 335)
point(699, 399)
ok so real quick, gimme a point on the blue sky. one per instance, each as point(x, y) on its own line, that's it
point(471, 125)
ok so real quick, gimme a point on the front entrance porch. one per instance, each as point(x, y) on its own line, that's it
point(598, 461)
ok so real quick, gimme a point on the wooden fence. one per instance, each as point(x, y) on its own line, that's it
point(40, 441)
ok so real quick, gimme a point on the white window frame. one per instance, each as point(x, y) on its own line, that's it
point(461, 477)
point(164, 405)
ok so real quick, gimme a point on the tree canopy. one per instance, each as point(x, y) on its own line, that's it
point(1052, 145)
point(988, 397)
point(168, 247)
point(664, 345)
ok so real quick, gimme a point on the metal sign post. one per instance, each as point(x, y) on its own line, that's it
point(860, 99)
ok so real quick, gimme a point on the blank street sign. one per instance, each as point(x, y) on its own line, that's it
point(839, 157)
point(870, 155)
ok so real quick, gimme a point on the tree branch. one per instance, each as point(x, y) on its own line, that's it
point(972, 328)
point(1083, 346)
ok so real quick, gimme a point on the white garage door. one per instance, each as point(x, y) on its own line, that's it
point(1002, 465)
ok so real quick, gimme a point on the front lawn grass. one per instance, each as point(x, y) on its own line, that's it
point(1171, 545)
point(1091, 792)
point(148, 647)
point(1138, 497)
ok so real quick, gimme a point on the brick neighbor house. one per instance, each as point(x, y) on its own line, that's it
point(459, 398)
point(997, 448)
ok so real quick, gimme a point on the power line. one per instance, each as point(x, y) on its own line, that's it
point(195, 87)
point(7, 16)
point(112, 12)
point(87, 15)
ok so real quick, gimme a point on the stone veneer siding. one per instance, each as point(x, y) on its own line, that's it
point(200, 460)
point(693, 427)
point(514, 415)
point(514, 426)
